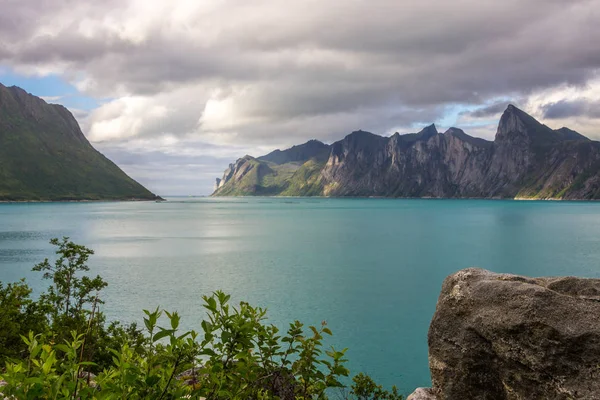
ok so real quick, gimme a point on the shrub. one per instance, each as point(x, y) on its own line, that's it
point(18, 314)
point(236, 355)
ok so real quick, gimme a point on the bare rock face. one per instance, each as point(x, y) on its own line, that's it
point(422, 394)
point(508, 337)
point(527, 159)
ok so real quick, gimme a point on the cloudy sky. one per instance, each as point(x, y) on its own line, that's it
point(175, 90)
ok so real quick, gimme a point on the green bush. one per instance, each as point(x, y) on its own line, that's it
point(19, 314)
point(235, 355)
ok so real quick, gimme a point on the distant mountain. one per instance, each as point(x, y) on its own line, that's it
point(301, 153)
point(45, 156)
point(275, 173)
point(526, 160)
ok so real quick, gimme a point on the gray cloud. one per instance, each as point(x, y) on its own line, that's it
point(571, 108)
point(416, 52)
point(271, 73)
point(169, 173)
point(494, 109)
point(488, 111)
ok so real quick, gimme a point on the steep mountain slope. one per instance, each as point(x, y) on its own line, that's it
point(274, 173)
point(301, 153)
point(526, 159)
point(45, 156)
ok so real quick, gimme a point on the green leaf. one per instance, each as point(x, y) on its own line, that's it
point(162, 334)
point(152, 380)
point(63, 347)
point(174, 320)
point(88, 363)
point(211, 304)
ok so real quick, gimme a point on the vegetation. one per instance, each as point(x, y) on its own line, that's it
point(45, 156)
point(259, 178)
point(306, 181)
point(59, 347)
point(264, 178)
point(291, 172)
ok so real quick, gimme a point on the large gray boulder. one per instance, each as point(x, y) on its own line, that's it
point(422, 394)
point(505, 337)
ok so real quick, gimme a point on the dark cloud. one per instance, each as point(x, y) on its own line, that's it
point(488, 111)
point(418, 52)
point(571, 108)
point(277, 73)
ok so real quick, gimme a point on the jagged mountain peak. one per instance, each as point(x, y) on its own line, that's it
point(527, 159)
point(428, 132)
point(360, 137)
point(461, 135)
point(360, 132)
point(453, 130)
point(516, 126)
point(429, 128)
point(515, 121)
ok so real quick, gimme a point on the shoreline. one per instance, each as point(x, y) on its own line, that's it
point(159, 199)
point(413, 198)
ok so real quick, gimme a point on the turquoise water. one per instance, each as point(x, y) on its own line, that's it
point(371, 267)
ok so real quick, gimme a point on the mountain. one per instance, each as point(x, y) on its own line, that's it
point(526, 160)
point(45, 156)
point(276, 173)
point(301, 153)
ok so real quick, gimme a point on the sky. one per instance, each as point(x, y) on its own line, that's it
point(175, 90)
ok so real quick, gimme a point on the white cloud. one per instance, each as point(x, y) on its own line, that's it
point(51, 99)
point(210, 75)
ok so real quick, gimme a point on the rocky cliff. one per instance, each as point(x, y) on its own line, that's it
point(45, 156)
point(526, 160)
point(507, 337)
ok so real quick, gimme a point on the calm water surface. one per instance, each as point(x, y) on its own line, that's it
point(371, 268)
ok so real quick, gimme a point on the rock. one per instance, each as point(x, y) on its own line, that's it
point(89, 377)
point(191, 377)
point(422, 394)
point(504, 337)
point(3, 383)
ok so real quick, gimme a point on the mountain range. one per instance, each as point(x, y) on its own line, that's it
point(527, 159)
point(45, 156)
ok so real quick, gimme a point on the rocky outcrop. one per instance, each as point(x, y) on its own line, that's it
point(526, 159)
point(422, 394)
point(507, 337)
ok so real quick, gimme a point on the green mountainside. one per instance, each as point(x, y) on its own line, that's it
point(293, 171)
point(45, 156)
point(527, 159)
